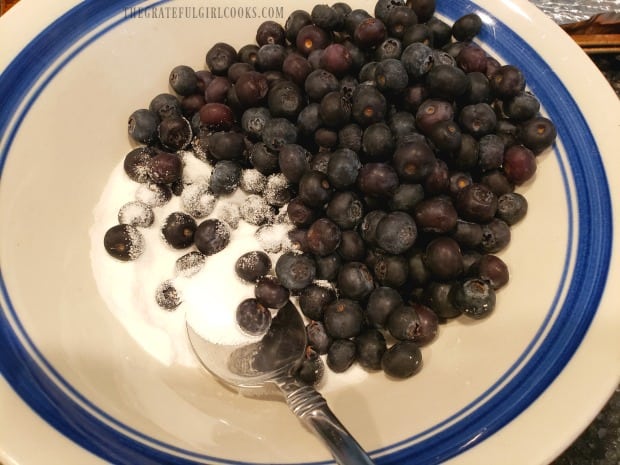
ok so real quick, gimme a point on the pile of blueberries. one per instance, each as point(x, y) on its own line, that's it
point(401, 142)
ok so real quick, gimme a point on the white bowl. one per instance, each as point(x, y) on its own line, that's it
point(516, 388)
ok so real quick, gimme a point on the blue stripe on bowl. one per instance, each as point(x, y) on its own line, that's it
point(520, 385)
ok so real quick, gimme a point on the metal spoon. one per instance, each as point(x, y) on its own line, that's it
point(265, 367)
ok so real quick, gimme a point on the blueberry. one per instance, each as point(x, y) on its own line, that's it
point(467, 233)
point(419, 275)
point(378, 141)
point(370, 346)
point(446, 137)
point(309, 119)
point(167, 296)
point(390, 48)
point(252, 88)
point(310, 38)
point(178, 230)
point(352, 247)
point(538, 134)
point(251, 266)
point(335, 110)
point(413, 161)
point(519, 164)
point(295, 271)
point(216, 116)
point(327, 267)
point(136, 213)
point(495, 236)
point(183, 80)
point(399, 19)
point(355, 281)
point(396, 232)
point(438, 296)
point(343, 168)
point(317, 337)
point(391, 75)
point(345, 209)
point(219, 58)
point(417, 59)
point(492, 269)
point(391, 270)
point(441, 32)
point(189, 264)
point(252, 317)
point(405, 324)
point(297, 68)
point(285, 100)
point(165, 105)
point(279, 132)
point(443, 258)
point(294, 161)
point(447, 81)
point(337, 59)
point(226, 145)
point(165, 168)
point(418, 33)
point(406, 197)
point(311, 369)
point(507, 82)
point(323, 237)
point(466, 157)
point(521, 107)
point(263, 159)
point(197, 200)
point(341, 355)
point(319, 83)
point(211, 236)
point(142, 126)
point(478, 119)
point(225, 177)
point(270, 32)
point(368, 227)
point(511, 207)
point(402, 360)
point(269, 292)
point(490, 152)
point(377, 180)
point(368, 106)
point(369, 33)
point(476, 203)
point(343, 318)
point(467, 27)
point(153, 194)
point(315, 189)
point(314, 298)
point(136, 164)
point(430, 112)
point(255, 210)
point(383, 8)
point(381, 303)
point(277, 191)
point(475, 298)
point(124, 242)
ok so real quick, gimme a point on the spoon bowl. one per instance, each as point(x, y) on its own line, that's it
point(265, 368)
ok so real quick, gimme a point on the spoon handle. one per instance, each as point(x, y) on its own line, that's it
point(312, 409)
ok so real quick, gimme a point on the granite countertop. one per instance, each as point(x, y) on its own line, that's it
point(599, 444)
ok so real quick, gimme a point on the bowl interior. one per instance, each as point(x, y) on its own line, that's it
point(68, 143)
